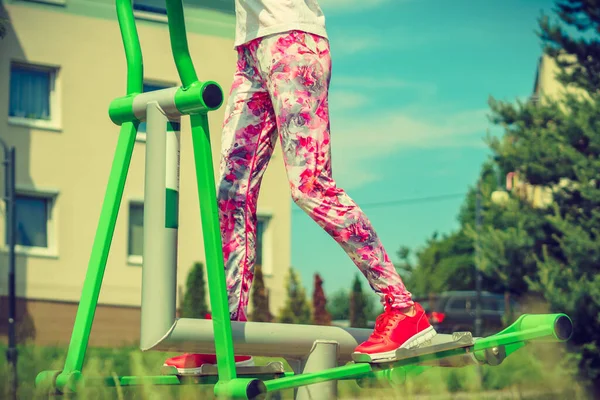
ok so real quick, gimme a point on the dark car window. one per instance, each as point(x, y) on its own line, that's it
point(492, 304)
point(457, 304)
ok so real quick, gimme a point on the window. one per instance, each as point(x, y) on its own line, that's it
point(148, 87)
point(458, 304)
point(264, 256)
point(33, 96)
point(136, 233)
point(151, 6)
point(35, 224)
point(260, 231)
point(159, 9)
point(492, 304)
point(32, 221)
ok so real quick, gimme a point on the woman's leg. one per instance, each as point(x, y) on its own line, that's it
point(249, 134)
point(297, 67)
point(248, 139)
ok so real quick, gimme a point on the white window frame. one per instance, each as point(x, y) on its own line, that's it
point(267, 243)
point(55, 122)
point(51, 251)
point(132, 259)
point(51, 2)
point(148, 15)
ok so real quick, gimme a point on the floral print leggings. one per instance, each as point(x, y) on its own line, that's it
point(281, 87)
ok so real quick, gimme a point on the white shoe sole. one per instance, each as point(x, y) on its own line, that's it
point(198, 370)
point(415, 341)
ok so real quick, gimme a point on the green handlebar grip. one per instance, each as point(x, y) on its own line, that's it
point(559, 326)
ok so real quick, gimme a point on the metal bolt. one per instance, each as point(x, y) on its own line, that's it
point(495, 351)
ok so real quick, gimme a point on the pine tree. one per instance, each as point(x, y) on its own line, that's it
point(338, 305)
point(194, 301)
point(510, 232)
point(260, 298)
point(320, 314)
point(358, 305)
point(555, 144)
point(297, 308)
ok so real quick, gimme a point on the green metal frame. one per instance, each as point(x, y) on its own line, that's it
point(190, 101)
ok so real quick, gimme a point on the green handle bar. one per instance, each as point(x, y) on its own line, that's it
point(179, 44)
point(133, 51)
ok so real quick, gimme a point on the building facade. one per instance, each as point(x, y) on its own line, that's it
point(61, 63)
point(546, 87)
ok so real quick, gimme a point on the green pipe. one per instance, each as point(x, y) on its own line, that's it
point(391, 377)
point(197, 99)
point(131, 42)
point(344, 372)
point(240, 388)
point(98, 258)
point(211, 233)
point(538, 327)
point(179, 44)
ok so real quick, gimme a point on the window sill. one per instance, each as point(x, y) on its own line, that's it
point(38, 252)
point(62, 3)
point(150, 16)
point(34, 123)
point(135, 261)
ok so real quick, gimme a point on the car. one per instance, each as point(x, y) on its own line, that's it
point(454, 311)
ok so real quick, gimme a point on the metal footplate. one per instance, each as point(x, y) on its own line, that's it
point(439, 344)
point(274, 369)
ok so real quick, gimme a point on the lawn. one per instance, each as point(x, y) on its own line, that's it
point(538, 372)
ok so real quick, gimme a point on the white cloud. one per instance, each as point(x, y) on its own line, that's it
point(370, 82)
point(350, 93)
point(353, 45)
point(343, 100)
point(348, 42)
point(358, 142)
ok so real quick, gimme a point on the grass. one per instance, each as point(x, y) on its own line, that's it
point(537, 372)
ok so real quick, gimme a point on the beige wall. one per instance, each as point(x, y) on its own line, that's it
point(546, 87)
point(75, 161)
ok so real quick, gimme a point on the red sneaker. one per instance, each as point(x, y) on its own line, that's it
point(190, 364)
point(395, 330)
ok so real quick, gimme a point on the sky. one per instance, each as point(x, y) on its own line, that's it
point(409, 113)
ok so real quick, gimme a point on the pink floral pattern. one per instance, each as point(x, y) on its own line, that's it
point(280, 88)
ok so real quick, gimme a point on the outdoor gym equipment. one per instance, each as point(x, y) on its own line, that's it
point(320, 356)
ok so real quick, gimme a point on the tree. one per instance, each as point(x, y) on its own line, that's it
point(194, 301)
point(320, 314)
point(358, 305)
point(260, 298)
point(339, 305)
point(555, 145)
point(447, 262)
point(297, 308)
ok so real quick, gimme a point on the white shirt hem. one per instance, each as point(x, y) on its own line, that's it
point(262, 32)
